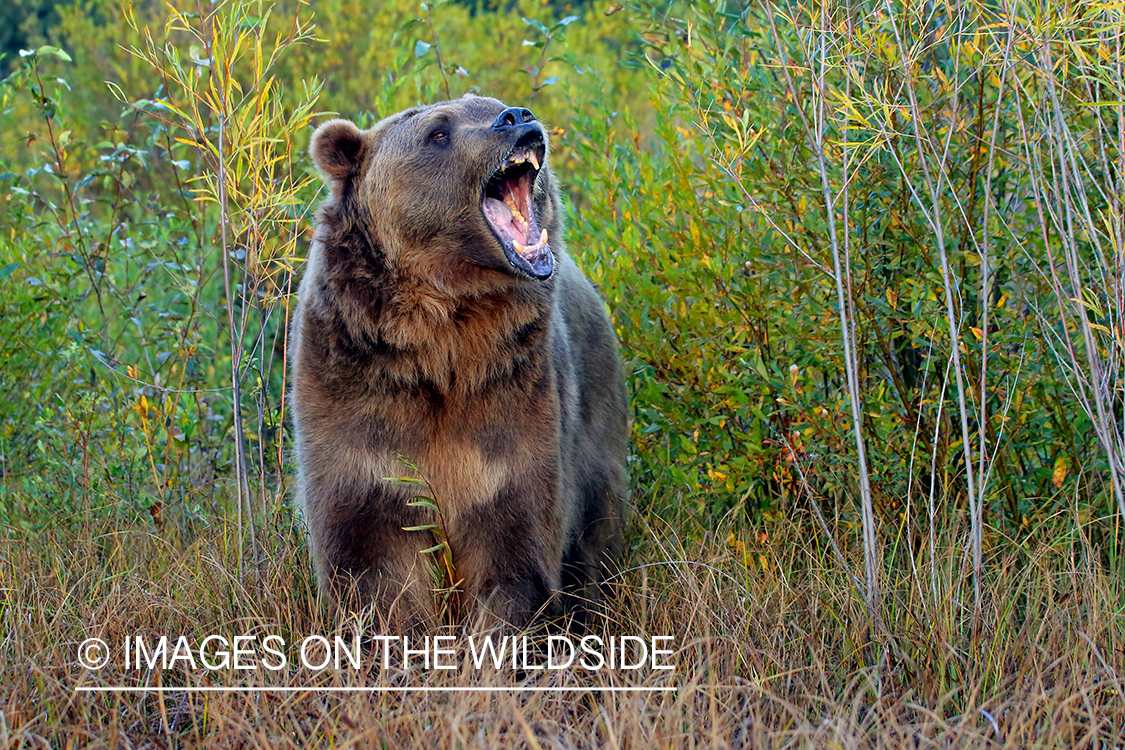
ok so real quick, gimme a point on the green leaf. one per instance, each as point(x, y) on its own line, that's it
point(404, 480)
point(421, 48)
point(536, 25)
point(404, 27)
point(7, 270)
point(47, 49)
point(564, 23)
point(435, 548)
point(405, 461)
point(428, 504)
point(425, 527)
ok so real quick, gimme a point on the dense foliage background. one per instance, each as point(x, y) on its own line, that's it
point(973, 169)
point(864, 257)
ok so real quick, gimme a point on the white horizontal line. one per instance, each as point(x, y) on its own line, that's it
point(387, 689)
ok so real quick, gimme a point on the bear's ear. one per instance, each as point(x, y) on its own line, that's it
point(338, 149)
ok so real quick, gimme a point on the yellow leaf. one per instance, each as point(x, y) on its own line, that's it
point(1060, 472)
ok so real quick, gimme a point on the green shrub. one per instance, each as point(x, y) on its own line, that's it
point(713, 247)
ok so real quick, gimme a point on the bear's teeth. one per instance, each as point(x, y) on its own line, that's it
point(516, 212)
point(533, 159)
point(523, 249)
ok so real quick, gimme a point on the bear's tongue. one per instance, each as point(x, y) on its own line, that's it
point(503, 219)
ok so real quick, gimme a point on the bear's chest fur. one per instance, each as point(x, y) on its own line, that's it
point(465, 390)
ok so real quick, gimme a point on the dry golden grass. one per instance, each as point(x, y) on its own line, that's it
point(772, 655)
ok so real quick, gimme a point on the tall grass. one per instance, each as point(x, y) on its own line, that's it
point(771, 650)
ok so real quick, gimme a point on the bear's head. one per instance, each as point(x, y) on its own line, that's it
point(459, 191)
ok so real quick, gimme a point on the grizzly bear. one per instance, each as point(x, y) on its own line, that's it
point(439, 319)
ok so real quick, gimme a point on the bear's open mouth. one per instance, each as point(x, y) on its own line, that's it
point(510, 213)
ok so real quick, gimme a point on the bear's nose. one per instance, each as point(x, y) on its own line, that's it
point(513, 116)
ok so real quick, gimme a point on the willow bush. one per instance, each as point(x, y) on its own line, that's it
point(962, 161)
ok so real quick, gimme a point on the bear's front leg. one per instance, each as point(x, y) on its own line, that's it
point(506, 551)
point(363, 556)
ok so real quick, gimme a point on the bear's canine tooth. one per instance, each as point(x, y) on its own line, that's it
point(543, 237)
point(533, 159)
point(518, 247)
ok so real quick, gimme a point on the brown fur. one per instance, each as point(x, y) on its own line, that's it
point(414, 334)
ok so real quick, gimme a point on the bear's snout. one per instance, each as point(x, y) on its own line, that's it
point(513, 116)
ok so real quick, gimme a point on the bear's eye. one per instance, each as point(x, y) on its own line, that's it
point(439, 135)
